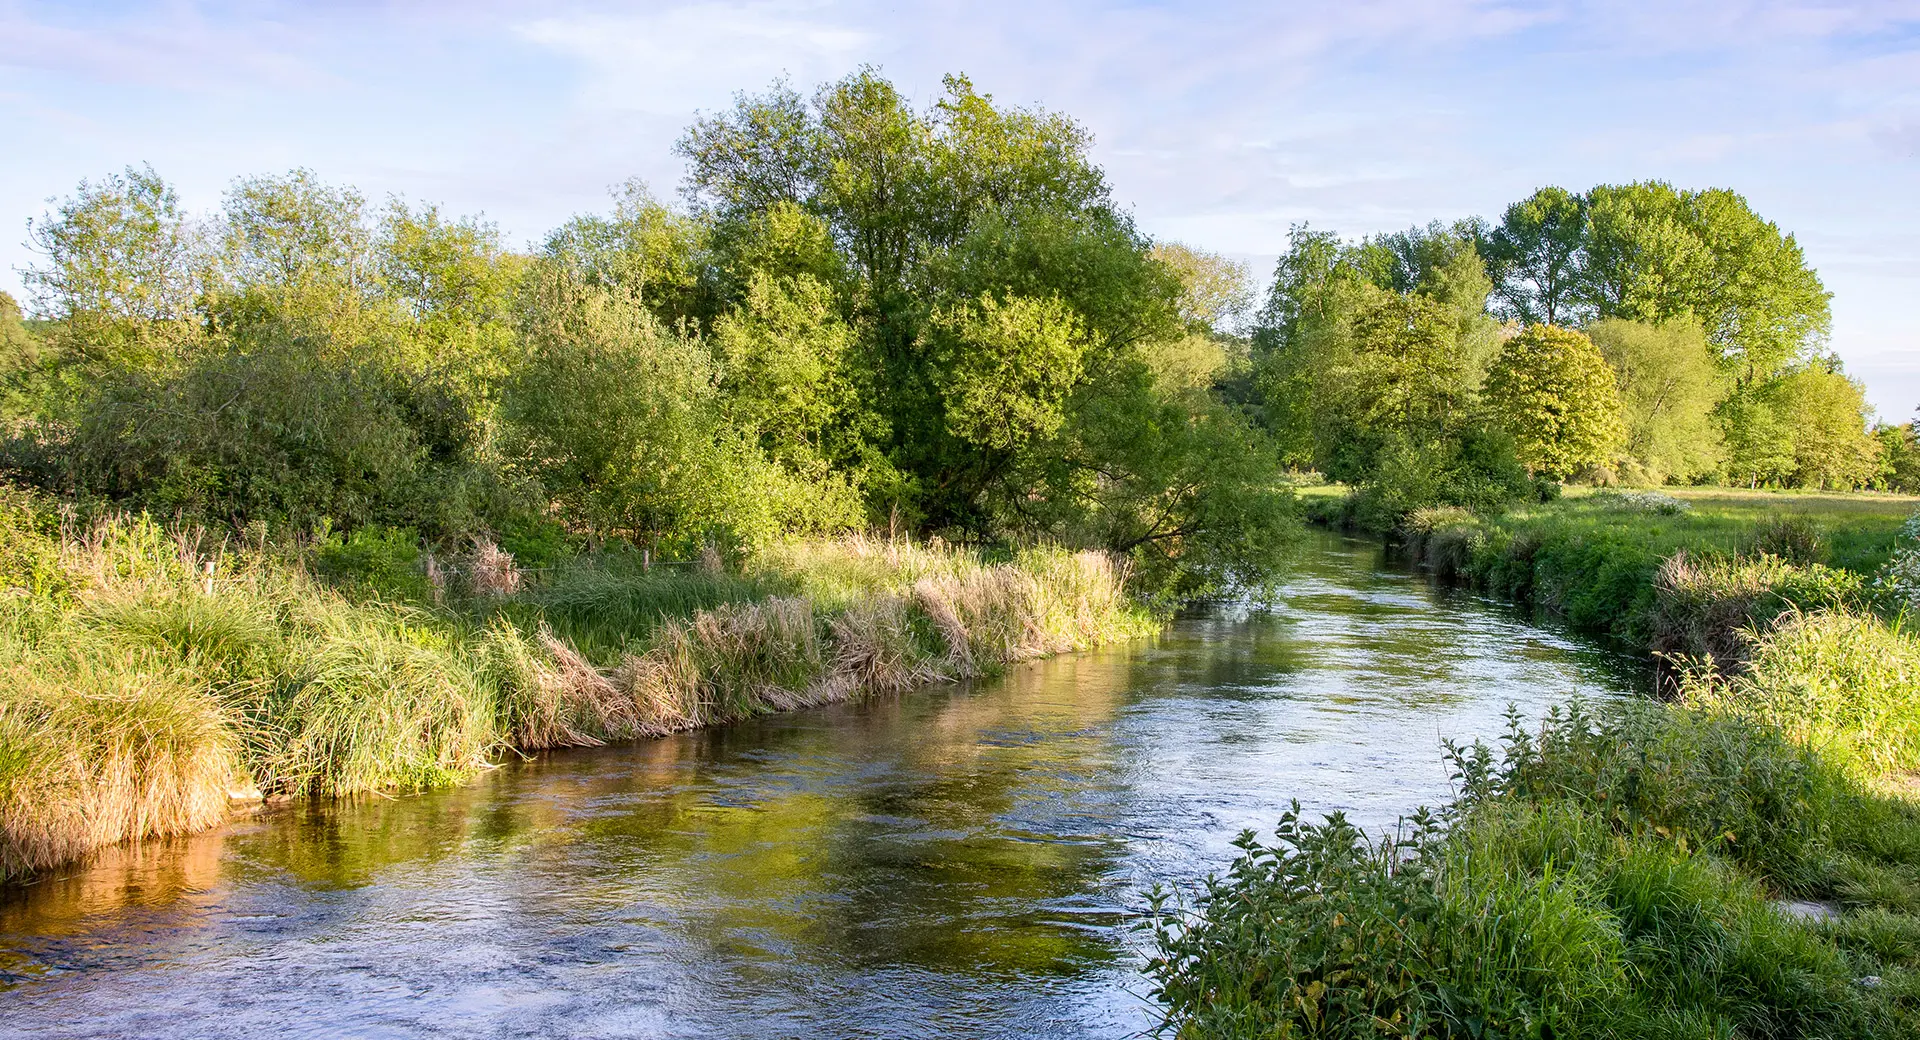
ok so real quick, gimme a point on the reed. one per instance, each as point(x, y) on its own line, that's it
point(148, 671)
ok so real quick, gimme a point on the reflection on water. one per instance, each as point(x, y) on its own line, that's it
point(954, 862)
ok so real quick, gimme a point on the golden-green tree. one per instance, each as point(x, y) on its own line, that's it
point(1669, 384)
point(1552, 392)
point(1827, 412)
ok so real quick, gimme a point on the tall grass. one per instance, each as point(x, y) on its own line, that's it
point(147, 673)
point(1845, 684)
point(96, 750)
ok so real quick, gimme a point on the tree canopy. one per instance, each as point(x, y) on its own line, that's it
point(1552, 392)
point(866, 312)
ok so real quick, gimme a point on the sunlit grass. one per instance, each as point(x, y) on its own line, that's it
point(145, 674)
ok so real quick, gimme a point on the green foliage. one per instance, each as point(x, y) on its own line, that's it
point(1899, 457)
point(1831, 445)
point(1215, 293)
point(1014, 364)
point(1669, 387)
point(1533, 257)
point(1604, 877)
point(376, 560)
point(1655, 253)
point(1553, 393)
point(1709, 316)
point(1837, 682)
point(120, 269)
point(280, 436)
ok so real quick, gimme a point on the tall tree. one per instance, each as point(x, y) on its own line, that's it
point(121, 269)
point(1215, 292)
point(297, 261)
point(1533, 257)
point(1655, 253)
point(1669, 385)
point(1828, 418)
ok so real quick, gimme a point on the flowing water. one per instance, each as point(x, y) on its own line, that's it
point(955, 862)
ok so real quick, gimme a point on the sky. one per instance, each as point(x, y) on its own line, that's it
point(1219, 124)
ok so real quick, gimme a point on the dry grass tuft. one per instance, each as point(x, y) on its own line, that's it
point(98, 751)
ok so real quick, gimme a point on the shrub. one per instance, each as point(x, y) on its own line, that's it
point(1841, 683)
point(375, 560)
point(1607, 877)
point(1709, 607)
point(1795, 539)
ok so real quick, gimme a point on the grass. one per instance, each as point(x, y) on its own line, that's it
point(148, 674)
point(1682, 583)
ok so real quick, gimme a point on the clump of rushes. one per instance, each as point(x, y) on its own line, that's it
point(145, 674)
point(96, 750)
point(1614, 875)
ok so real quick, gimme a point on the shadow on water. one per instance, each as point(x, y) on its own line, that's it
point(954, 862)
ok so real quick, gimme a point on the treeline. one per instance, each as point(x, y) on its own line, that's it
point(865, 315)
point(1634, 333)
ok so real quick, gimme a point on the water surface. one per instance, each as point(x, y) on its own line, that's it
point(954, 862)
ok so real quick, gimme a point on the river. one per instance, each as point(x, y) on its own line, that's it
point(961, 861)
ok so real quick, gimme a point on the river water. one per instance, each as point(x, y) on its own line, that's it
point(956, 862)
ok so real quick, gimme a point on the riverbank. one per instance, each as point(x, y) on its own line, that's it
point(150, 679)
point(1744, 860)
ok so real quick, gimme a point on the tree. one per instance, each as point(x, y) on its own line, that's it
point(20, 361)
point(120, 272)
point(1655, 253)
point(1214, 291)
point(1828, 417)
point(1899, 457)
point(782, 353)
point(297, 260)
point(644, 249)
point(1758, 436)
point(1534, 257)
point(451, 284)
point(1669, 386)
point(623, 424)
point(1394, 374)
point(1014, 365)
point(1552, 392)
point(1292, 337)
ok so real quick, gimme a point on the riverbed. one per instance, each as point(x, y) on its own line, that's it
point(961, 861)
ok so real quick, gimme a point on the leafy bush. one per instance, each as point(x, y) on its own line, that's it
point(1607, 877)
point(377, 560)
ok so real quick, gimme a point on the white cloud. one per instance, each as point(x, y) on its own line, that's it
point(674, 61)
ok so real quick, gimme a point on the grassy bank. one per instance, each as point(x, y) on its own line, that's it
point(1623, 872)
point(1681, 575)
point(1613, 875)
point(148, 676)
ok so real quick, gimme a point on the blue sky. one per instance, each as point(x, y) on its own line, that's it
point(1219, 123)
